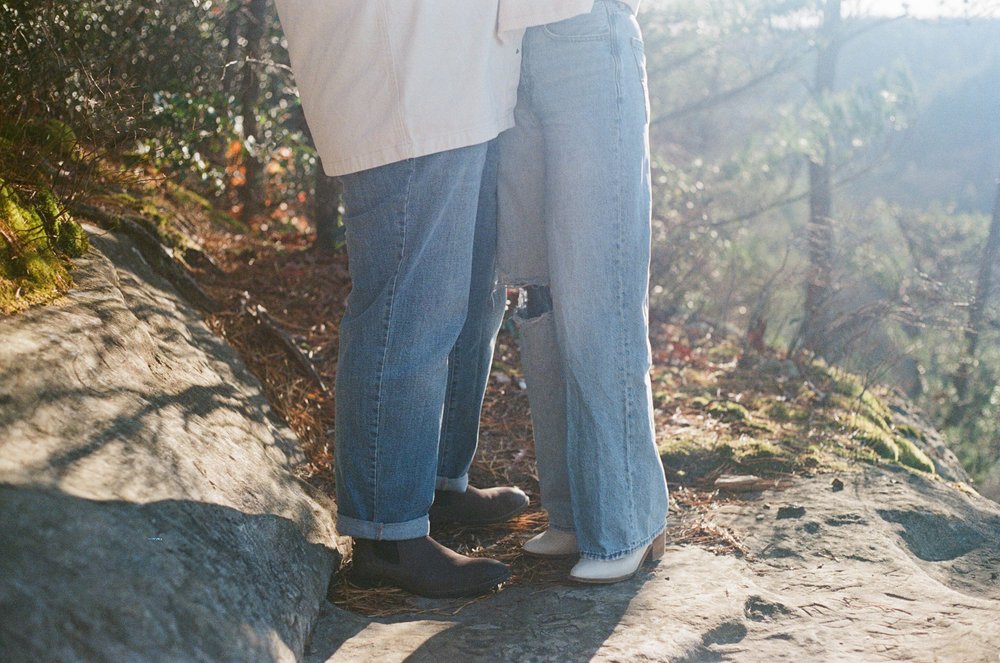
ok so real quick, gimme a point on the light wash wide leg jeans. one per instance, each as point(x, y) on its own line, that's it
point(416, 340)
point(575, 219)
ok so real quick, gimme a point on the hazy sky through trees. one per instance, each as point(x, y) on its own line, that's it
point(924, 8)
point(916, 8)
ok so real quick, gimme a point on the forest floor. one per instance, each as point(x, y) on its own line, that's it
point(304, 292)
point(803, 519)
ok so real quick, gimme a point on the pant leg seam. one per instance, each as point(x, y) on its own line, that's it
point(388, 330)
point(480, 311)
point(447, 424)
point(623, 352)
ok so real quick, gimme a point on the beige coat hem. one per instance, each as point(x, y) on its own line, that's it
point(418, 148)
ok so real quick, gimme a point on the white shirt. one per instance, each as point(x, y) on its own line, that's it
point(387, 80)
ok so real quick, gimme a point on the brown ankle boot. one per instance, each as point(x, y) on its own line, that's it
point(425, 567)
point(477, 506)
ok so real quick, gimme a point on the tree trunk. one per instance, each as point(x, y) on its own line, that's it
point(230, 75)
point(819, 284)
point(255, 22)
point(977, 312)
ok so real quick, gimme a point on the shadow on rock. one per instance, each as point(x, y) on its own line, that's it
point(560, 623)
point(169, 580)
point(147, 507)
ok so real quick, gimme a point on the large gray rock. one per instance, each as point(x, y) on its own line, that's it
point(147, 506)
point(893, 566)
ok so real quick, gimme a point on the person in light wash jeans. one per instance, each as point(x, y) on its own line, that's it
point(404, 101)
point(574, 234)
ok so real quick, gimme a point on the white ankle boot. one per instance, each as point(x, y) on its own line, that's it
point(599, 571)
point(552, 543)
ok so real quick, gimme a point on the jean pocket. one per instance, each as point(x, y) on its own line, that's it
point(639, 51)
point(592, 26)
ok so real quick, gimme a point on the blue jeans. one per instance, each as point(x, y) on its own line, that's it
point(416, 340)
point(575, 219)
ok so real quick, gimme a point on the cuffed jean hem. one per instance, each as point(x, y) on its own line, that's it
point(364, 529)
point(455, 485)
point(618, 555)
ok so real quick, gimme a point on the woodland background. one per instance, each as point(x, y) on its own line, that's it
point(825, 182)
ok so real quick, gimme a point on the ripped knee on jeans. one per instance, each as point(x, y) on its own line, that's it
point(533, 302)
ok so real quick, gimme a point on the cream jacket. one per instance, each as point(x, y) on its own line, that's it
point(387, 80)
point(519, 14)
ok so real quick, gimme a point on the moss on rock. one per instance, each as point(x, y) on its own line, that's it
point(869, 422)
point(693, 454)
point(35, 240)
point(700, 402)
point(830, 420)
point(890, 446)
point(51, 138)
point(908, 431)
point(868, 434)
point(756, 452)
point(728, 411)
point(689, 456)
point(785, 412)
point(911, 456)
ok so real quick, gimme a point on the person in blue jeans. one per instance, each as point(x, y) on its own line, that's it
point(410, 128)
point(574, 234)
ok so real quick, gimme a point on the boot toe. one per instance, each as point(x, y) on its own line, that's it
point(477, 506)
point(424, 567)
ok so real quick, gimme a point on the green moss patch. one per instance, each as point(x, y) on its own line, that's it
point(785, 412)
point(806, 418)
point(911, 456)
point(690, 458)
point(36, 240)
point(51, 139)
point(890, 446)
point(757, 454)
point(695, 455)
point(911, 433)
point(871, 436)
point(728, 411)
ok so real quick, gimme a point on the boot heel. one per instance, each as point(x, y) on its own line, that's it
point(657, 546)
point(601, 572)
